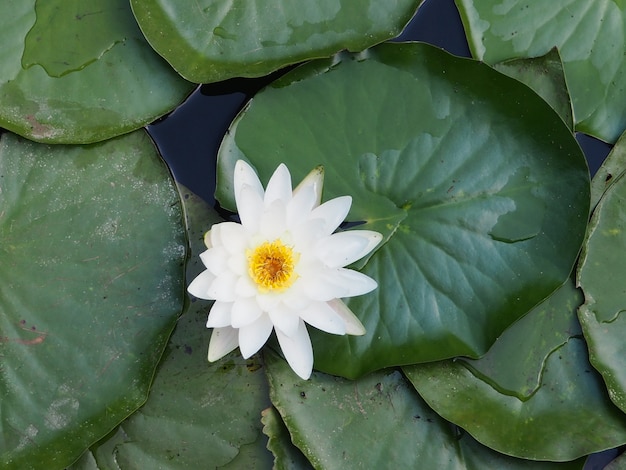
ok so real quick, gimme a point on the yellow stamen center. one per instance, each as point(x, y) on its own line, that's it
point(271, 266)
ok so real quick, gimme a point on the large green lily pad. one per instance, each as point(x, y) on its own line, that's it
point(93, 247)
point(388, 424)
point(478, 187)
point(534, 395)
point(78, 71)
point(591, 38)
point(213, 40)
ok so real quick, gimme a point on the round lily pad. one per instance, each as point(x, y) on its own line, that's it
point(534, 395)
point(478, 187)
point(91, 282)
point(591, 41)
point(211, 40)
point(80, 71)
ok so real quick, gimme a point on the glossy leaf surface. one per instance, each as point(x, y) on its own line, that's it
point(389, 425)
point(479, 189)
point(546, 77)
point(590, 35)
point(213, 40)
point(601, 274)
point(79, 71)
point(534, 394)
point(92, 246)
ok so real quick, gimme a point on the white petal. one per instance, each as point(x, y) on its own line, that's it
point(333, 212)
point(223, 287)
point(298, 350)
point(199, 287)
point(269, 301)
point(233, 237)
point(207, 237)
point(254, 336)
point(245, 175)
point(322, 286)
point(284, 319)
point(250, 208)
point(355, 282)
point(238, 263)
point(219, 315)
point(215, 259)
point(352, 323)
point(245, 312)
point(245, 287)
point(272, 223)
point(343, 248)
point(300, 207)
point(305, 234)
point(323, 317)
point(315, 181)
point(278, 187)
point(295, 299)
point(223, 341)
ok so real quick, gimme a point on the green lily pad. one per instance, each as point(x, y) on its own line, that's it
point(93, 249)
point(388, 424)
point(478, 187)
point(210, 40)
point(286, 455)
point(590, 37)
point(546, 77)
point(534, 395)
point(80, 71)
point(197, 413)
point(601, 274)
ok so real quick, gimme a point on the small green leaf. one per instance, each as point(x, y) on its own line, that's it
point(534, 395)
point(591, 38)
point(601, 275)
point(80, 71)
point(286, 455)
point(546, 77)
point(209, 40)
point(93, 247)
point(378, 421)
point(478, 187)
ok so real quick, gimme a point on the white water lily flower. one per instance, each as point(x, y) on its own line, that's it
point(281, 267)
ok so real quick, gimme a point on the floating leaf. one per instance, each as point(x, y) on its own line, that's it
point(286, 455)
point(601, 275)
point(93, 248)
point(534, 395)
point(209, 40)
point(478, 187)
point(80, 71)
point(590, 37)
point(388, 424)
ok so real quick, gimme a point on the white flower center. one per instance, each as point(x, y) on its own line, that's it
point(271, 266)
